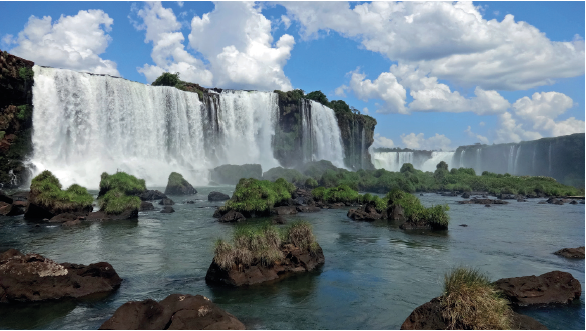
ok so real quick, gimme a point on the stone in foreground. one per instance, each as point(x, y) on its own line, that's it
point(32, 277)
point(555, 287)
point(296, 260)
point(175, 312)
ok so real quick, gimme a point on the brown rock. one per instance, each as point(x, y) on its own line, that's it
point(8, 209)
point(146, 206)
point(367, 213)
point(71, 223)
point(128, 214)
point(555, 287)
point(572, 253)
point(307, 209)
point(32, 277)
point(232, 216)
point(396, 212)
point(175, 312)
point(285, 210)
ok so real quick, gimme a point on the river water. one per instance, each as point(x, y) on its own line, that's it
point(375, 274)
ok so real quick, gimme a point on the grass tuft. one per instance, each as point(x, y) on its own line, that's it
point(258, 196)
point(117, 192)
point(46, 191)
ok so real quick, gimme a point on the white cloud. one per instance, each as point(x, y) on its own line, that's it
point(365, 110)
point(385, 87)
point(7, 40)
point(169, 54)
point(448, 40)
point(180, 4)
point(286, 21)
point(380, 141)
point(482, 124)
point(481, 139)
point(418, 141)
point(71, 42)
point(510, 131)
point(236, 39)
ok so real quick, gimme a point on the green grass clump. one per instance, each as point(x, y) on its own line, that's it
point(436, 216)
point(342, 193)
point(175, 179)
point(258, 196)
point(117, 192)
point(380, 204)
point(114, 202)
point(261, 244)
point(26, 73)
point(46, 192)
point(470, 301)
point(24, 112)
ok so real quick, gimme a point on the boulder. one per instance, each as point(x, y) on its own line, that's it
point(146, 206)
point(167, 210)
point(175, 312)
point(396, 212)
point(5, 198)
point(555, 287)
point(572, 253)
point(32, 277)
point(231, 174)
point(429, 317)
point(278, 220)
point(296, 260)
point(285, 210)
point(466, 195)
point(367, 213)
point(218, 196)
point(71, 223)
point(483, 201)
point(150, 195)
point(177, 185)
point(11, 209)
point(65, 217)
point(231, 217)
point(128, 214)
point(574, 202)
point(166, 202)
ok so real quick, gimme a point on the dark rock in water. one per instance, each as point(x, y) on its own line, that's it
point(38, 212)
point(218, 196)
point(150, 195)
point(307, 209)
point(189, 202)
point(574, 202)
point(486, 205)
point(503, 196)
point(415, 226)
point(449, 194)
point(396, 212)
point(166, 202)
point(128, 214)
point(231, 174)
point(429, 317)
point(420, 194)
point(72, 222)
point(542, 202)
point(232, 216)
point(278, 220)
point(146, 206)
point(11, 209)
point(555, 201)
point(466, 195)
point(367, 213)
point(555, 287)
point(463, 225)
point(521, 200)
point(572, 253)
point(177, 185)
point(285, 210)
point(483, 202)
point(5, 198)
point(296, 260)
point(218, 213)
point(66, 217)
point(32, 277)
point(175, 312)
point(167, 210)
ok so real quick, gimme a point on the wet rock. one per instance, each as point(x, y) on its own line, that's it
point(175, 312)
point(542, 202)
point(367, 213)
point(32, 277)
point(449, 194)
point(466, 195)
point(5, 198)
point(177, 185)
point(231, 217)
point(296, 260)
point(486, 205)
point(11, 209)
point(144, 206)
point(65, 217)
point(521, 200)
point(189, 202)
point(307, 209)
point(167, 210)
point(278, 220)
point(150, 195)
point(396, 212)
point(463, 225)
point(166, 202)
point(71, 223)
point(285, 210)
point(128, 214)
point(572, 253)
point(483, 202)
point(574, 202)
point(217, 213)
point(218, 196)
point(555, 287)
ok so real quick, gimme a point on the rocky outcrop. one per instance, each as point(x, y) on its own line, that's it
point(479, 201)
point(167, 210)
point(367, 213)
point(571, 253)
point(231, 217)
point(67, 217)
point(296, 260)
point(175, 312)
point(166, 202)
point(429, 317)
point(32, 277)
point(218, 196)
point(150, 195)
point(36, 211)
point(555, 287)
point(396, 213)
point(144, 206)
point(12, 209)
point(285, 210)
point(128, 214)
point(177, 185)
point(230, 174)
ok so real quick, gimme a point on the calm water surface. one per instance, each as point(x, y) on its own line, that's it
point(374, 276)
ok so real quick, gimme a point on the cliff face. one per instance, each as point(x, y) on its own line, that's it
point(16, 81)
point(358, 135)
point(561, 158)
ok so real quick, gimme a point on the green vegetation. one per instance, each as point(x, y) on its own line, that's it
point(380, 204)
point(261, 244)
point(2, 133)
point(175, 179)
point(46, 192)
point(415, 212)
point(167, 79)
point(24, 112)
point(311, 183)
point(117, 192)
point(26, 73)
point(471, 302)
point(258, 196)
point(342, 193)
point(290, 175)
point(231, 174)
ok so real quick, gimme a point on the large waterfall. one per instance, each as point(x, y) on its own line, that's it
point(422, 160)
point(86, 124)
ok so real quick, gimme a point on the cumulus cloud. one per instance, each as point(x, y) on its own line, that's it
point(381, 141)
point(481, 139)
point(71, 42)
point(510, 131)
point(448, 40)
point(418, 141)
point(365, 110)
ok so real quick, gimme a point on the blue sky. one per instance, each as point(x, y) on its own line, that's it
point(434, 75)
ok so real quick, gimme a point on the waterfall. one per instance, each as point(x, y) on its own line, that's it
point(533, 163)
point(510, 159)
point(461, 165)
point(391, 161)
point(436, 157)
point(549, 160)
point(516, 169)
point(478, 161)
point(321, 135)
point(362, 149)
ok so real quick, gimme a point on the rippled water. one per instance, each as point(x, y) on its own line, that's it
point(374, 276)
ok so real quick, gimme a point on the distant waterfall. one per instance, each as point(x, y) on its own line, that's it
point(478, 168)
point(517, 153)
point(436, 157)
point(362, 148)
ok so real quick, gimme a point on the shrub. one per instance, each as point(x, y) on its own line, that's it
point(407, 168)
point(471, 302)
point(26, 73)
point(117, 192)
point(311, 183)
point(46, 191)
point(167, 79)
point(24, 112)
point(341, 193)
point(258, 196)
point(436, 216)
point(114, 202)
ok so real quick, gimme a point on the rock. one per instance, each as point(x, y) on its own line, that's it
point(167, 210)
point(189, 202)
point(449, 194)
point(463, 225)
point(146, 206)
point(32, 277)
point(65, 217)
point(177, 185)
point(521, 200)
point(295, 260)
point(128, 214)
point(11, 209)
point(572, 253)
point(150, 195)
point(420, 194)
point(574, 202)
point(285, 210)
point(466, 195)
point(368, 213)
point(5, 198)
point(555, 287)
point(503, 196)
point(415, 226)
point(217, 213)
point(542, 202)
point(486, 205)
point(307, 209)
point(278, 220)
point(71, 223)
point(483, 202)
point(218, 196)
point(396, 212)
point(232, 216)
point(166, 202)
point(231, 174)
point(429, 317)
point(175, 312)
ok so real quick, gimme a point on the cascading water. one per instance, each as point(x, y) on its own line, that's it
point(321, 134)
point(391, 161)
point(510, 159)
point(478, 161)
point(362, 149)
point(436, 157)
point(516, 167)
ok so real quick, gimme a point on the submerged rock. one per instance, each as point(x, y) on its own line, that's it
point(32, 277)
point(218, 196)
point(177, 185)
point(231, 217)
point(175, 312)
point(146, 206)
point(127, 214)
point(555, 287)
point(167, 210)
point(572, 253)
point(367, 213)
point(483, 202)
point(285, 210)
point(166, 202)
point(150, 195)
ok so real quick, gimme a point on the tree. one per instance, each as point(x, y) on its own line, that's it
point(319, 97)
point(442, 165)
point(167, 79)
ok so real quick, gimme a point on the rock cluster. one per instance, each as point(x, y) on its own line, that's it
point(555, 287)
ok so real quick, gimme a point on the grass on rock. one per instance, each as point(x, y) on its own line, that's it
point(258, 196)
point(47, 192)
point(117, 192)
